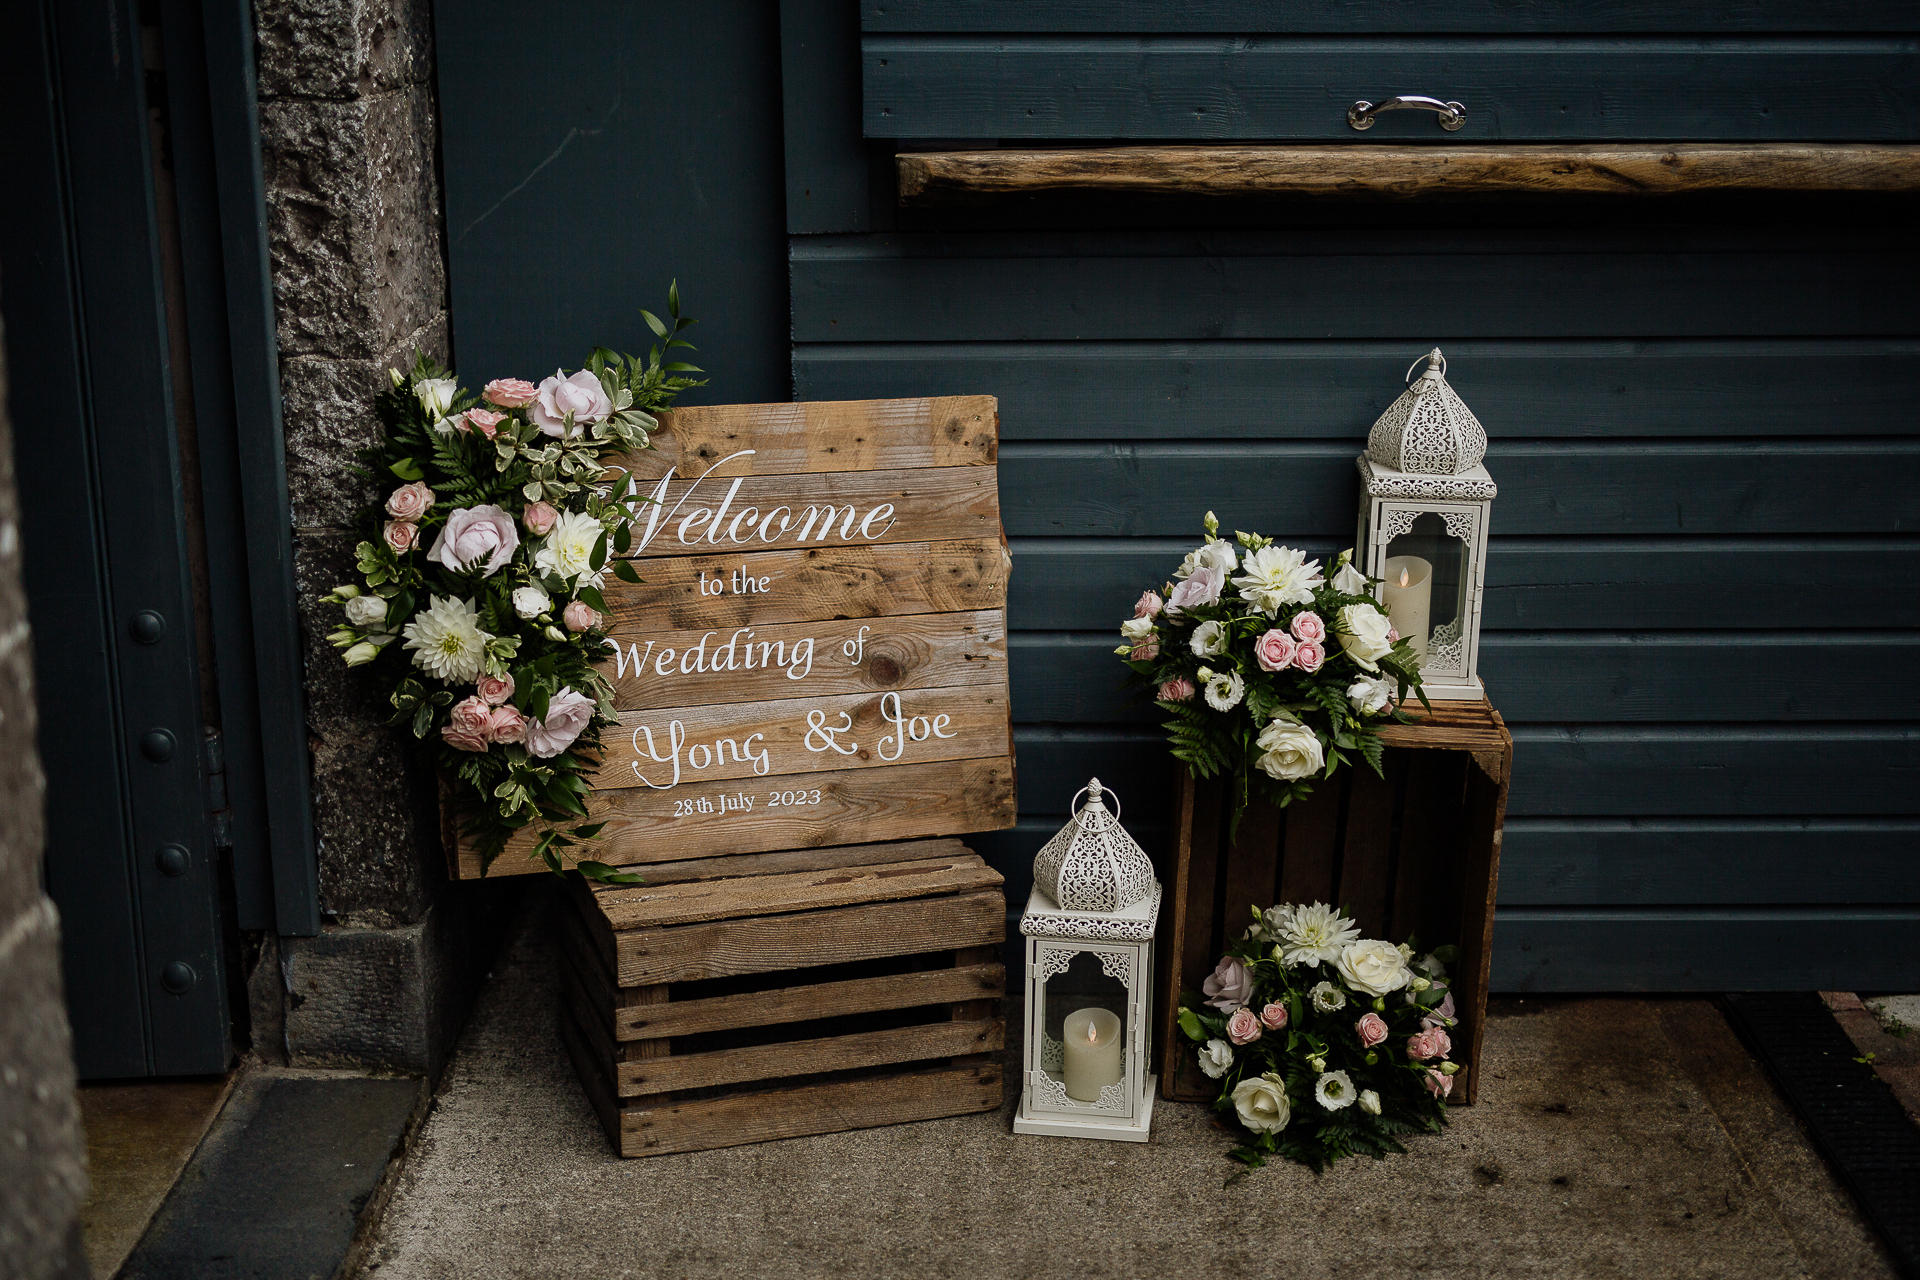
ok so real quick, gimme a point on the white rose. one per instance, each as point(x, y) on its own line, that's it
point(1370, 697)
point(1348, 580)
point(1374, 967)
point(436, 395)
point(1209, 638)
point(1136, 629)
point(1262, 1103)
point(1363, 634)
point(366, 611)
point(1290, 749)
point(1215, 1057)
point(568, 548)
point(1370, 1102)
point(531, 602)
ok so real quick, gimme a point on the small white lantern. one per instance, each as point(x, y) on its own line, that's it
point(1423, 527)
point(1089, 931)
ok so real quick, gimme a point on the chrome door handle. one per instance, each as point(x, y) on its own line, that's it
point(1452, 115)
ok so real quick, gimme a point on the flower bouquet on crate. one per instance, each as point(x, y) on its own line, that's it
point(1325, 1044)
point(480, 594)
point(1267, 671)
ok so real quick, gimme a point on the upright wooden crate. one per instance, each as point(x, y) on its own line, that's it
point(1416, 852)
point(740, 999)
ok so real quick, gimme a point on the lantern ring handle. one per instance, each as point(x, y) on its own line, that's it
point(1073, 813)
point(1408, 376)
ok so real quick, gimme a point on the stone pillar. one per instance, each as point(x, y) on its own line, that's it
point(42, 1149)
point(355, 230)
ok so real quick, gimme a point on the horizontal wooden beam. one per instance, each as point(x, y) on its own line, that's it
point(947, 177)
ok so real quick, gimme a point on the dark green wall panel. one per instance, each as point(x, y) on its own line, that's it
point(1493, 16)
point(1810, 949)
point(1000, 288)
point(1201, 88)
point(1265, 390)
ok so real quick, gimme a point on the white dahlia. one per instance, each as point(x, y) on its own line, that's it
point(447, 641)
point(1276, 576)
point(1316, 933)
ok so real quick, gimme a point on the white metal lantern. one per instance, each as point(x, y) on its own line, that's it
point(1089, 931)
point(1423, 527)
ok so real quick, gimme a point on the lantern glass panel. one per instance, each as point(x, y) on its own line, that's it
point(1431, 607)
point(1086, 1029)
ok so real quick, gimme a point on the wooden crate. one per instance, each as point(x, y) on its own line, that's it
point(1416, 852)
point(740, 999)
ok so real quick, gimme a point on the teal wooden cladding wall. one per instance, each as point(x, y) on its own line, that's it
point(1704, 574)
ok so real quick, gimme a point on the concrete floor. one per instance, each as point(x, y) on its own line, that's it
point(140, 1135)
point(1615, 1137)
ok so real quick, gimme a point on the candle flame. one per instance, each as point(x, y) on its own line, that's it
point(1403, 576)
point(1093, 1033)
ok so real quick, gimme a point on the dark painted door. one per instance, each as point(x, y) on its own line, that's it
point(132, 283)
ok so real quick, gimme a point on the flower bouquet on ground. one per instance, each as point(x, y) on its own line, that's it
point(1267, 671)
point(480, 590)
point(1325, 1044)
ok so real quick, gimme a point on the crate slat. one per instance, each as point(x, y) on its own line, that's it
point(701, 900)
point(810, 1057)
point(725, 948)
point(828, 1107)
point(973, 984)
point(788, 860)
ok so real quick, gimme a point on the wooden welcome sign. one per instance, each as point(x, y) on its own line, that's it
point(818, 652)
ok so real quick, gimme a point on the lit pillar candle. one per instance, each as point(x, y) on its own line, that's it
point(1407, 592)
point(1092, 1053)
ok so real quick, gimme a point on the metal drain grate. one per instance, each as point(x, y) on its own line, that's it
point(1856, 1122)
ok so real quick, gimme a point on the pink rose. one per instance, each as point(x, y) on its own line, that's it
point(1273, 1017)
point(539, 517)
point(1148, 606)
point(1371, 1029)
point(580, 395)
point(1243, 1027)
point(506, 724)
point(1273, 651)
point(1439, 1085)
point(1431, 1043)
point(1230, 985)
point(568, 714)
point(484, 421)
point(482, 537)
point(509, 393)
point(1309, 655)
point(470, 728)
point(1147, 650)
point(409, 501)
point(579, 615)
point(1308, 626)
point(1178, 689)
point(1202, 587)
point(494, 690)
point(401, 535)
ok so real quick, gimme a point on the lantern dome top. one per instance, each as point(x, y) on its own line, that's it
point(1092, 864)
point(1429, 430)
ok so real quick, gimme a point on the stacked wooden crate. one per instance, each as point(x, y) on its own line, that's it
point(1413, 853)
point(738, 999)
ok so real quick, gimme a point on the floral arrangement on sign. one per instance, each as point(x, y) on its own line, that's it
point(1266, 669)
point(1325, 1044)
point(481, 587)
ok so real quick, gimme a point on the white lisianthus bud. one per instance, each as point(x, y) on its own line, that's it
point(394, 376)
point(1448, 1068)
point(1346, 579)
point(555, 633)
point(1318, 1064)
point(362, 652)
point(1370, 1102)
point(1406, 952)
point(436, 395)
point(347, 591)
point(366, 611)
point(1421, 984)
point(531, 602)
point(1137, 629)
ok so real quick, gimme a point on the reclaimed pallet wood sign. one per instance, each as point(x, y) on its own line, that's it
point(817, 653)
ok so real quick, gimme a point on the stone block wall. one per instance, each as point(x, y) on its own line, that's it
point(354, 223)
point(42, 1150)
